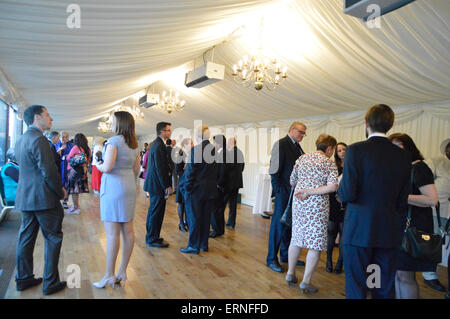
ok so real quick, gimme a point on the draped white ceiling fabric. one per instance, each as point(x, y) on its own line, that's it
point(336, 63)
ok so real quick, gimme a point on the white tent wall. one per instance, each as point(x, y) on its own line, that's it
point(336, 63)
point(427, 123)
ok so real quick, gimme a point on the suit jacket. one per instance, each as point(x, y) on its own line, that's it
point(375, 184)
point(221, 157)
point(39, 185)
point(201, 174)
point(233, 170)
point(55, 154)
point(157, 178)
point(181, 162)
point(283, 156)
point(170, 162)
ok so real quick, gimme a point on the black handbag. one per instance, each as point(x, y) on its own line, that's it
point(422, 245)
point(286, 219)
point(78, 160)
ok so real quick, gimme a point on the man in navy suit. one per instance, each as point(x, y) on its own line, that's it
point(375, 184)
point(200, 191)
point(283, 156)
point(158, 185)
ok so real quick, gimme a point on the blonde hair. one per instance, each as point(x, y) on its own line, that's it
point(205, 133)
point(98, 140)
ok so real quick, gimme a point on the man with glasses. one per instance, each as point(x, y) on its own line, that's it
point(283, 156)
point(158, 184)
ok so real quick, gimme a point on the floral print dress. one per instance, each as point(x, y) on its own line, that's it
point(310, 216)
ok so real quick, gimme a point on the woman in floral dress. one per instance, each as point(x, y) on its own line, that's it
point(314, 176)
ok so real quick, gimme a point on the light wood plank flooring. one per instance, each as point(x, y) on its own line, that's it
point(233, 268)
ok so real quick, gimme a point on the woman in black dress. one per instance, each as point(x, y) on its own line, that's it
point(336, 219)
point(423, 196)
point(183, 157)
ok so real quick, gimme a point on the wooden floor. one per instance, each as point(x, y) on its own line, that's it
point(233, 268)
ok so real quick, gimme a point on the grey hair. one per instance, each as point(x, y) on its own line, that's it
point(11, 154)
point(52, 134)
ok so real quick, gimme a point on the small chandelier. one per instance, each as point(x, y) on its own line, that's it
point(259, 71)
point(105, 124)
point(170, 102)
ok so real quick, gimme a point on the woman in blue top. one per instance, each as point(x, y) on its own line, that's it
point(10, 177)
point(120, 167)
point(63, 148)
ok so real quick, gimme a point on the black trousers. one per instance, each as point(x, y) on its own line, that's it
point(231, 198)
point(198, 213)
point(218, 214)
point(333, 229)
point(50, 222)
point(356, 262)
point(155, 217)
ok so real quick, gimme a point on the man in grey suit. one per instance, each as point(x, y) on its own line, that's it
point(38, 197)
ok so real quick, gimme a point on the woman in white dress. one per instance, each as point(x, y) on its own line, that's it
point(314, 176)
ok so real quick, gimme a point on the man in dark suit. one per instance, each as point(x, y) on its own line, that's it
point(158, 185)
point(233, 181)
point(283, 156)
point(53, 138)
point(218, 214)
point(199, 183)
point(375, 184)
point(38, 197)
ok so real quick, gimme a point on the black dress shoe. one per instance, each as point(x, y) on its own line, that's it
point(204, 249)
point(435, 284)
point(58, 287)
point(189, 250)
point(158, 245)
point(329, 267)
point(212, 234)
point(338, 268)
point(182, 227)
point(275, 266)
point(21, 285)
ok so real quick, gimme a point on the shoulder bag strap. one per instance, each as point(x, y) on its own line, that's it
point(408, 220)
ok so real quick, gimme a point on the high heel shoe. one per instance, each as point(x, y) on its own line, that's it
point(291, 280)
point(105, 281)
point(307, 289)
point(121, 278)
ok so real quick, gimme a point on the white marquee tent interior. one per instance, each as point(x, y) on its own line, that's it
point(338, 66)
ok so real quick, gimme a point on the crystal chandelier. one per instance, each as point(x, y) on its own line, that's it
point(170, 102)
point(259, 70)
point(105, 124)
